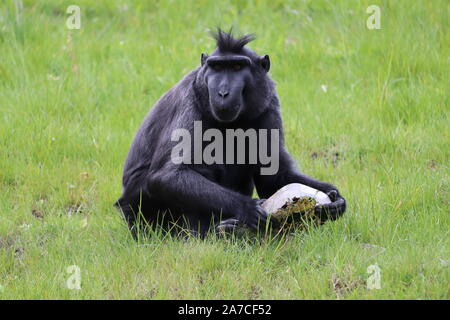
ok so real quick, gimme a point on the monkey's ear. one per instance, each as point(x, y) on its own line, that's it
point(203, 58)
point(265, 62)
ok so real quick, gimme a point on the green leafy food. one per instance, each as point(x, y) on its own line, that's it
point(296, 214)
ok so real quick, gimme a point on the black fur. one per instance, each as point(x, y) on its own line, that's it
point(198, 196)
point(227, 43)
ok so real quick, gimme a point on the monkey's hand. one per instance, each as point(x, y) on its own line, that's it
point(254, 216)
point(333, 210)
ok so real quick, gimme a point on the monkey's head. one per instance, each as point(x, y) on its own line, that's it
point(235, 77)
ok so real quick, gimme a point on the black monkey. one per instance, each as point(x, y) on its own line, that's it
point(231, 89)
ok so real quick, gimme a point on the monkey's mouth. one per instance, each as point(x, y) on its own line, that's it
point(228, 114)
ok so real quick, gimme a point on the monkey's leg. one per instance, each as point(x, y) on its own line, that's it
point(194, 193)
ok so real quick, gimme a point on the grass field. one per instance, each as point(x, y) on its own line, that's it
point(367, 110)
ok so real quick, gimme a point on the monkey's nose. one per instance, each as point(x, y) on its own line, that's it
point(223, 93)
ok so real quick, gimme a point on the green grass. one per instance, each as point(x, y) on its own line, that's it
point(72, 100)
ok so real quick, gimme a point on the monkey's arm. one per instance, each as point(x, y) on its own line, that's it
point(287, 173)
point(194, 192)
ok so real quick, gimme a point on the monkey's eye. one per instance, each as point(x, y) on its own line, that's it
point(237, 67)
point(217, 67)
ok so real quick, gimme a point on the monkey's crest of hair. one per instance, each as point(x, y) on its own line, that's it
point(227, 43)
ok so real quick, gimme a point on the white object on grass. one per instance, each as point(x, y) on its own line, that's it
point(293, 190)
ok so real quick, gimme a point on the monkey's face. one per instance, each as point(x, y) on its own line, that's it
point(227, 78)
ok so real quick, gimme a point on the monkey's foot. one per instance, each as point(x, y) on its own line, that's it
point(231, 226)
